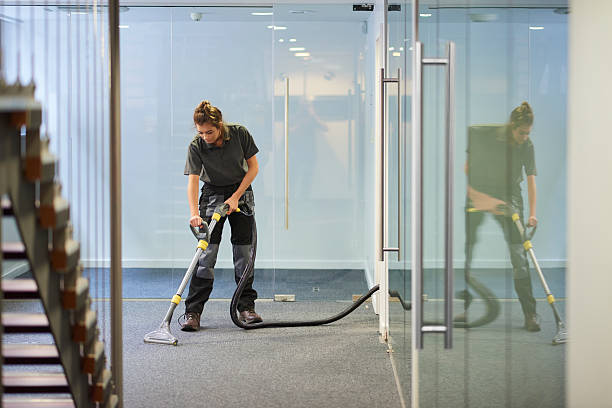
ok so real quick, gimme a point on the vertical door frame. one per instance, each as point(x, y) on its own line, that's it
point(381, 300)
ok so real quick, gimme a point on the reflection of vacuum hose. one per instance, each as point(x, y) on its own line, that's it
point(395, 294)
point(491, 304)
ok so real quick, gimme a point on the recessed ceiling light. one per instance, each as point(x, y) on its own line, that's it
point(267, 13)
point(292, 40)
point(425, 14)
point(397, 54)
point(536, 28)
point(124, 26)
point(281, 40)
point(302, 54)
point(297, 49)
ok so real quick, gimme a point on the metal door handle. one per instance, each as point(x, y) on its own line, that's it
point(383, 147)
point(417, 194)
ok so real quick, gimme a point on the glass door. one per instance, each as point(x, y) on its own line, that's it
point(160, 91)
point(510, 71)
point(398, 60)
point(320, 145)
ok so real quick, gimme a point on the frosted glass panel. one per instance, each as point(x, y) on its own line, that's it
point(172, 59)
point(320, 51)
point(61, 54)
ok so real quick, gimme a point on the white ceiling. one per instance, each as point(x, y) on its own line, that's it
point(319, 10)
point(310, 3)
point(429, 3)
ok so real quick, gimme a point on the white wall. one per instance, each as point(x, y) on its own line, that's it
point(589, 372)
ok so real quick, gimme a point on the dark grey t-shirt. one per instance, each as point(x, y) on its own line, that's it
point(225, 165)
point(496, 162)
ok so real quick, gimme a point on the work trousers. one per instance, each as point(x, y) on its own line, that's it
point(514, 241)
point(242, 235)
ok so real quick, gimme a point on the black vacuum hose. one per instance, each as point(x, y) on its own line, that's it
point(248, 273)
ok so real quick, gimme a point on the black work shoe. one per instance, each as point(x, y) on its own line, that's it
point(249, 317)
point(532, 324)
point(192, 322)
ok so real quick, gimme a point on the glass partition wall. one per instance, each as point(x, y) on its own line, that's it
point(218, 54)
point(294, 76)
point(320, 142)
point(398, 197)
point(503, 58)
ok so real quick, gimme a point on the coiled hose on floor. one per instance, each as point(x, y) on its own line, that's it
point(248, 273)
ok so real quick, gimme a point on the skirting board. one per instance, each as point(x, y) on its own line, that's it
point(317, 264)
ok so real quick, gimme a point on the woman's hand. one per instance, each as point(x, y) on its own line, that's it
point(484, 202)
point(195, 221)
point(487, 203)
point(532, 222)
point(233, 204)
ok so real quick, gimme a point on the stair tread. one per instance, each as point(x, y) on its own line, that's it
point(7, 207)
point(21, 402)
point(30, 351)
point(25, 322)
point(34, 380)
point(13, 250)
point(20, 289)
point(30, 383)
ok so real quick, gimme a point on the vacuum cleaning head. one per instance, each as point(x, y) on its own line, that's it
point(561, 336)
point(161, 336)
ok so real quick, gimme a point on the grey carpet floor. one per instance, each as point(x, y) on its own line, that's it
point(342, 364)
point(497, 365)
point(338, 365)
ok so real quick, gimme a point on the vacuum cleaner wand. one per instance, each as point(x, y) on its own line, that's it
point(163, 335)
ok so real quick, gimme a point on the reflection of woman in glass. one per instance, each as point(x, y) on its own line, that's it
point(222, 155)
point(497, 156)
